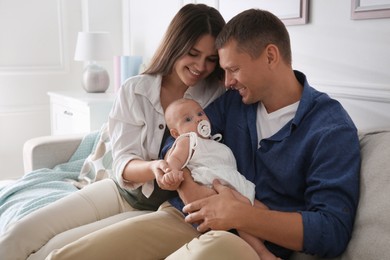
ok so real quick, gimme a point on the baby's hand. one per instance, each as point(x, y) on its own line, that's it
point(172, 179)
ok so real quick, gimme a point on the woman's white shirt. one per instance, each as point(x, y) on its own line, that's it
point(136, 121)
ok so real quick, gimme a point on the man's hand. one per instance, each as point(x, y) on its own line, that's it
point(224, 211)
point(217, 212)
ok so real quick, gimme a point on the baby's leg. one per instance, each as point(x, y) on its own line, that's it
point(258, 245)
point(96, 201)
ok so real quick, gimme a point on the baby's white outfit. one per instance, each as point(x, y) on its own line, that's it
point(209, 160)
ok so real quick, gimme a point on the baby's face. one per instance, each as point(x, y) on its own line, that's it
point(189, 114)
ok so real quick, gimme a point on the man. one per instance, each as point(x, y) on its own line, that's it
point(297, 145)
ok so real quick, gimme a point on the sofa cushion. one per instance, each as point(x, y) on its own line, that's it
point(370, 238)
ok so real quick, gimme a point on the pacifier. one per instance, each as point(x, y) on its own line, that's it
point(204, 128)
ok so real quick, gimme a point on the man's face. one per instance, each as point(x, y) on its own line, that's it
point(243, 73)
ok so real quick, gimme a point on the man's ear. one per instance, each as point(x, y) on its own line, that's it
point(273, 54)
point(174, 133)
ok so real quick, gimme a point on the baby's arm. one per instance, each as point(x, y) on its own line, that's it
point(176, 159)
point(177, 156)
point(258, 245)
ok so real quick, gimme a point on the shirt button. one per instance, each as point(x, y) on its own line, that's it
point(161, 126)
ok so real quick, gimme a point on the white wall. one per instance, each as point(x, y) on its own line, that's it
point(37, 43)
point(350, 59)
point(34, 58)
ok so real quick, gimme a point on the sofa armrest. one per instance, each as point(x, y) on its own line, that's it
point(49, 151)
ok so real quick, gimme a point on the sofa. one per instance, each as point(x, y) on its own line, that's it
point(371, 234)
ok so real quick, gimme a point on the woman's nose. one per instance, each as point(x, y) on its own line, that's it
point(201, 65)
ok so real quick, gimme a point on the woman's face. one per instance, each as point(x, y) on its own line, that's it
point(198, 63)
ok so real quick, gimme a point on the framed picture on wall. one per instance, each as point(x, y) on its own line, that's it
point(300, 14)
point(291, 12)
point(370, 9)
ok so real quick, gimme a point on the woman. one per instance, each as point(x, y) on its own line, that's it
point(185, 65)
point(185, 58)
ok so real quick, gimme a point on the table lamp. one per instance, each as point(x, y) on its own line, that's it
point(93, 47)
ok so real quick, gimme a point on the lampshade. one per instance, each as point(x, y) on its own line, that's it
point(93, 46)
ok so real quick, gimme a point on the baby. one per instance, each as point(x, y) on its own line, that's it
point(205, 157)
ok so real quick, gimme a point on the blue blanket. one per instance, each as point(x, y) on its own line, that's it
point(41, 187)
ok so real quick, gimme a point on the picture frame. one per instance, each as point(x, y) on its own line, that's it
point(370, 9)
point(292, 12)
point(302, 18)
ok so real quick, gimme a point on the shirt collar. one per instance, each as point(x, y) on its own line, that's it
point(151, 90)
point(307, 98)
point(305, 104)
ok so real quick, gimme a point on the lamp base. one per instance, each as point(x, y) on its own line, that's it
point(95, 79)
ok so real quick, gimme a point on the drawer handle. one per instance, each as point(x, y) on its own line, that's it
point(68, 113)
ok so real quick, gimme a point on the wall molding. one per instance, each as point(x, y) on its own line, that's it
point(364, 92)
point(20, 110)
point(39, 69)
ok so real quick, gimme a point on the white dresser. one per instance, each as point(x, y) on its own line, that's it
point(74, 112)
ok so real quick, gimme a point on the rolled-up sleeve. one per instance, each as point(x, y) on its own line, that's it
point(332, 194)
point(131, 120)
point(125, 133)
